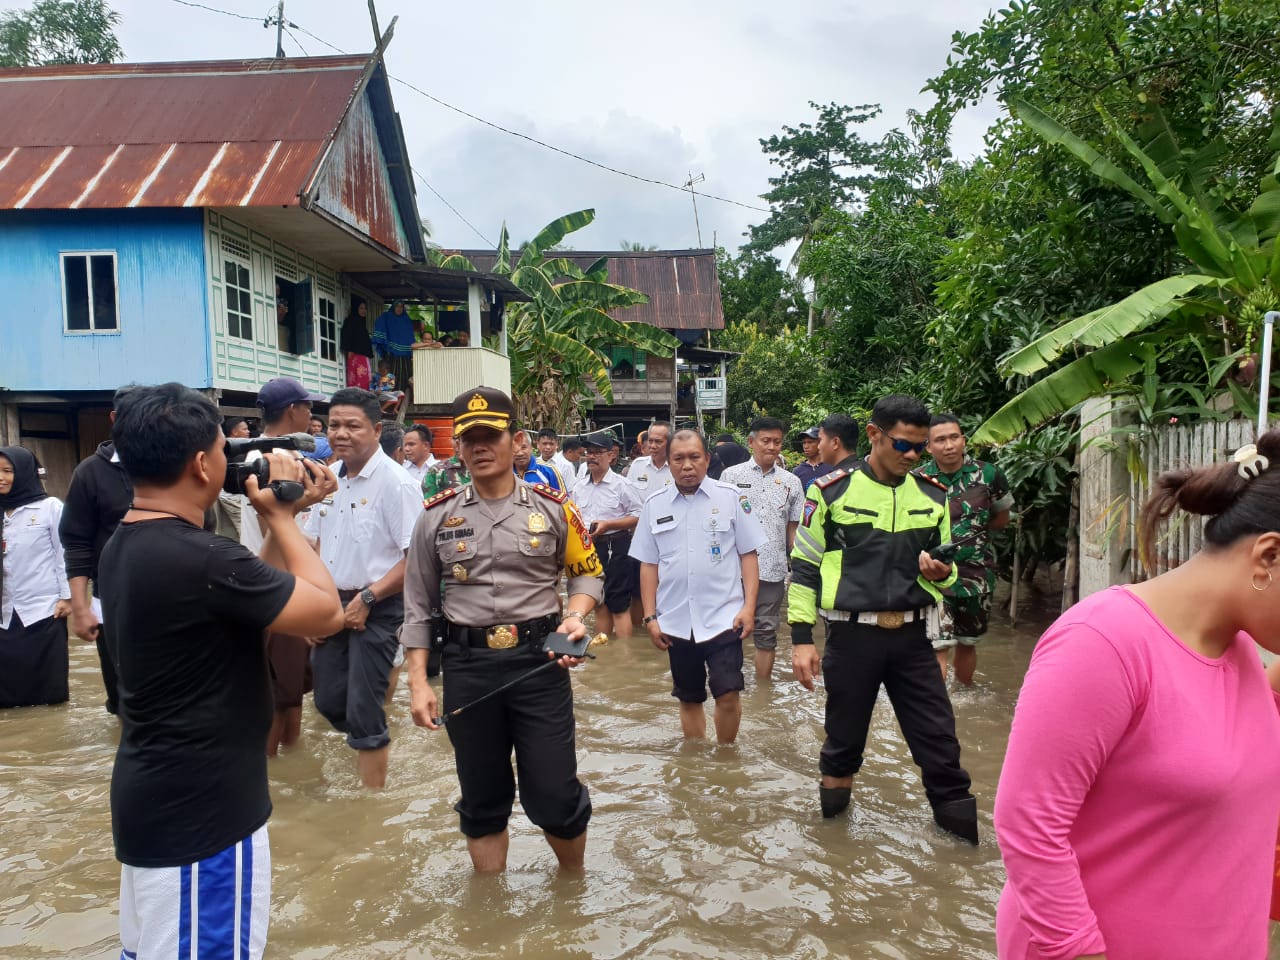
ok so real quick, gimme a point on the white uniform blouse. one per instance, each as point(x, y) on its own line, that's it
point(35, 575)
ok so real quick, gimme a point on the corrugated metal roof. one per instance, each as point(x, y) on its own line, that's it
point(683, 286)
point(204, 134)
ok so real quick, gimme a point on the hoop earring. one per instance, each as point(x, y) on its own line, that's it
point(1253, 582)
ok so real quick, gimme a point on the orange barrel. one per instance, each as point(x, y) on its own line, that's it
point(441, 434)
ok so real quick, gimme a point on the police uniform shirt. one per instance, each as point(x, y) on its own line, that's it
point(778, 499)
point(610, 499)
point(648, 479)
point(365, 527)
point(498, 561)
point(696, 541)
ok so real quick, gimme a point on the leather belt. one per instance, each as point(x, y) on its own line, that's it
point(884, 619)
point(504, 636)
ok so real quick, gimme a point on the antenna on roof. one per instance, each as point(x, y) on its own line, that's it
point(373, 18)
point(692, 196)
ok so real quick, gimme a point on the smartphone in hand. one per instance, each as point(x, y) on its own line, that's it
point(562, 646)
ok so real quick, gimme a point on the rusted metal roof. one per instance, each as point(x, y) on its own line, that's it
point(682, 285)
point(240, 133)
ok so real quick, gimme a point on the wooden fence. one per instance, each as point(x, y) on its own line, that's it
point(1174, 447)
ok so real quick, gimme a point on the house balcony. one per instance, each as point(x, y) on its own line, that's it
point(440, 375)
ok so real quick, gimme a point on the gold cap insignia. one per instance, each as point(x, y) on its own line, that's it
point(477, 402)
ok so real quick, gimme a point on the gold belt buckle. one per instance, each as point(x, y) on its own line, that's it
point(890, 619)
point(502, 637)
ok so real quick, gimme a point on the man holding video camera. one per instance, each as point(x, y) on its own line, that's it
point(364, 531)
point(185, 610)
point(495, 548)
point(286, 410)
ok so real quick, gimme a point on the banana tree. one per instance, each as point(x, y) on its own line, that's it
point(1218, 305)
point(558, 342)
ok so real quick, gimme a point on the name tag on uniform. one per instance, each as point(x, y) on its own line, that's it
point(665, 519)
point(747, 486)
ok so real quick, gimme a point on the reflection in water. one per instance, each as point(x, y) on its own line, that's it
point(695, 850)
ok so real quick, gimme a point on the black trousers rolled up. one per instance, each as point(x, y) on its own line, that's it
point(535, 719)
point(858, 659)
point(351, 671)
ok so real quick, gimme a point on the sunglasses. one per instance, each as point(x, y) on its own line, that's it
point(906, 446)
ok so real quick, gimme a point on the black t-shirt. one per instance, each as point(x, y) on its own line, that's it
point(184, 611)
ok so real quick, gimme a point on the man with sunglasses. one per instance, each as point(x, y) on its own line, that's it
point(861, 561)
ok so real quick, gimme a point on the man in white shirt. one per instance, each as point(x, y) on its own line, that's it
point(610, 506)
point(418, 458)
point(697, 544)
point(549, 455)
point(286, 408)
point(364, 531)
point(778, 501)
point(650, 473)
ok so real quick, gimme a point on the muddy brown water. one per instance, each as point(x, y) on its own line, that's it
point(694, 851)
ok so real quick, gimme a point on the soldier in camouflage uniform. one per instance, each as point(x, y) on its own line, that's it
point(444, 475)
point(980, 501)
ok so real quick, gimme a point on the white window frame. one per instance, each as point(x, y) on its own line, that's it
point(248, 268)
point(320, 318)
point(93, 330)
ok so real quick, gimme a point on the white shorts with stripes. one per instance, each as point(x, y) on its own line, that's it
point(216, 909)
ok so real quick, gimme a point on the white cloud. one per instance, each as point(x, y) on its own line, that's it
point(659, 89)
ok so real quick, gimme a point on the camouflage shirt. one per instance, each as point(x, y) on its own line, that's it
point(976, 493)
point(445, 475)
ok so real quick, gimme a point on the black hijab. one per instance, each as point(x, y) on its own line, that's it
point(355, 335)
point(27, 487)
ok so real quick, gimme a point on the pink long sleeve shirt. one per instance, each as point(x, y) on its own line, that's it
point(1139, 800)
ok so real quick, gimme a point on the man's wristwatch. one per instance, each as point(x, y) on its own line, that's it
point(367, 596)
point(648, 620)
point(574, 613)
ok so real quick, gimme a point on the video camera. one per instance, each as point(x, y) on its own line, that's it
point(240, 468)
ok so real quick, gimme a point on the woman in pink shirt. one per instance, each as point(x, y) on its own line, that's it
point(1138, 805)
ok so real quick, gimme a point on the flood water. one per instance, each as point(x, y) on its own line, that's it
point(694, 851)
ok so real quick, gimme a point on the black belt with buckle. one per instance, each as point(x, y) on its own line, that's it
point(504, 636)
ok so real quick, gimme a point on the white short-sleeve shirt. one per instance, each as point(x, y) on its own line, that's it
point(648, 479)
point(35, 574)
point(610, 499)
point(365, 529)
point(696, 541)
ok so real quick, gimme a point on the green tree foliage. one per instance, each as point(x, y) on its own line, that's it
point(557, 342)
point(825, 166)
point(771, 376)
point(754, 289)
point(55, 32)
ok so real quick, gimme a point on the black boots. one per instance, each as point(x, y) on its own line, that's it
point(834, 800)
point(959, 817)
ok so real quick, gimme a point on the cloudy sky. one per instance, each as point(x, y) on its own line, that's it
point(662, 89)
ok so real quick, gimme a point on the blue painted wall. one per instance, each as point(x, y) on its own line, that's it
point(163, 321)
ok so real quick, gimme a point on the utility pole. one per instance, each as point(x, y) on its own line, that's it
point(280, 30)
point(694, 197)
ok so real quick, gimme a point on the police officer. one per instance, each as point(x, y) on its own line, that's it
point(482, 578)
point(861, 556)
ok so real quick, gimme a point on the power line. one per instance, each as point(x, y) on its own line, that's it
point(426, 183)
point(506, 130)
point(241, 16)
point(298, 42)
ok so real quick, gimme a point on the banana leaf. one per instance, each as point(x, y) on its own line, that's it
point(1092, 375)
point(552, 234)
point(1110, 324)
point(1054, 132)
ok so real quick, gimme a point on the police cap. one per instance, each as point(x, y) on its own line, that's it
point(481, 407)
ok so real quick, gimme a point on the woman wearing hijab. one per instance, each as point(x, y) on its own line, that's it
point(393, 339)
point(35, 598)
point(357, 345)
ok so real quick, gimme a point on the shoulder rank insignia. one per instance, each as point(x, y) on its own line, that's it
point(828, 479)
point(933, 480)
point(550, 492)
point(441, 497)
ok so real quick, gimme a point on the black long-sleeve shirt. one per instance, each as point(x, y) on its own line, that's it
point(99, 495)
